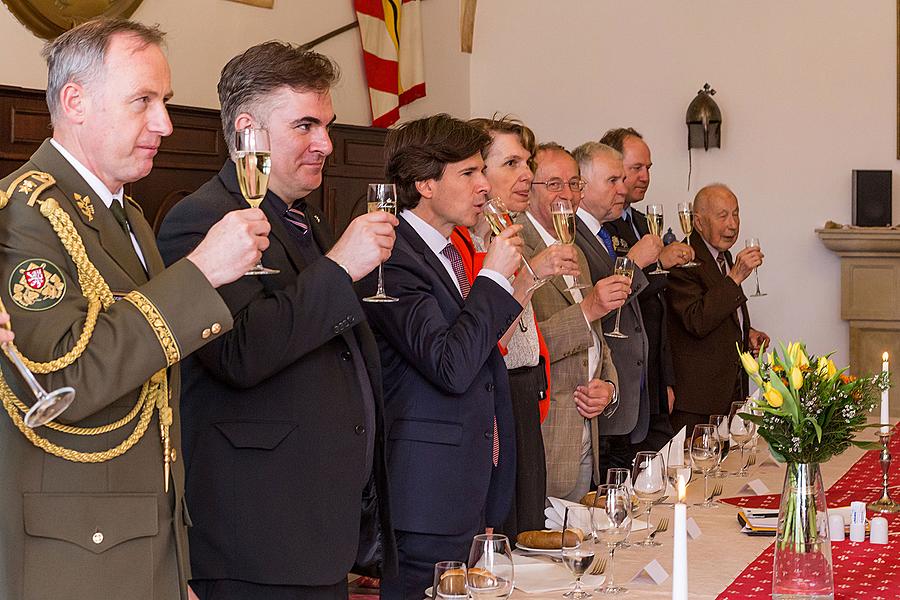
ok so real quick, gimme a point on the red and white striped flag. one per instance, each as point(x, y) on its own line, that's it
point(391, 32)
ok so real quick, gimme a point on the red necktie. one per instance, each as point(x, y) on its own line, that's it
point(459, 270)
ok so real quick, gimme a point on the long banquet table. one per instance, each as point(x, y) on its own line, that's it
point(722, 552)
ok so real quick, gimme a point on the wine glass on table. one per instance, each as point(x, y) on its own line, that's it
point(686, 220)
point(754, 243)
point(742, 430)
point(381, 197)
point(449, 581)
point(563, 214)
point(655, 225)
point(649, 481)
point(253, 159)
point(47, 406)
point(721, 424)
point(499, 218)
point(490, 568)
point(625, 267)
point(619, 476)
point(577, 551)
point(612, 523)
point(705, 451)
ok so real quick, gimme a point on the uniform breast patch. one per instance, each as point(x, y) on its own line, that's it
point(37, 284)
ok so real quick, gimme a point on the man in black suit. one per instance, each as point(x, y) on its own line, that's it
point(708, 313)
point(602, 201)
point(282, 425)
point(448, 413)
point(625, 232)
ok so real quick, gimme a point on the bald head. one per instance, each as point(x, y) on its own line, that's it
point(717, 216)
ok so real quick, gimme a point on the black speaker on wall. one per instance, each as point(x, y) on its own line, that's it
point(872, 198)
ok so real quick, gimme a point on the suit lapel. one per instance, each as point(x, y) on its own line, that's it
point(711, 267)
point(534, 244)
point(100, 221)
point(406, 231)
point(146, 241)
point(599, 261)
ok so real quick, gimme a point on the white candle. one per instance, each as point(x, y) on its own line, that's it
point(679, 547)
point(885, 401)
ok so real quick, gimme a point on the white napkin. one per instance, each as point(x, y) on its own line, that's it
point(537, 576)
point(673, 457)
point(556, 512)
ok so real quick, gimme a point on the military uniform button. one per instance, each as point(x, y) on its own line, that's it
point(346, 355)
point(206, 333)
point(216, 328)
point(97, 538)
point(360, 430)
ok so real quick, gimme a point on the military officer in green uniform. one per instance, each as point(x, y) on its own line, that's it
point(92, 503)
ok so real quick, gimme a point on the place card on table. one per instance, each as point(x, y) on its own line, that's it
point(652, 573)
point(693, 530)
point(755, 487)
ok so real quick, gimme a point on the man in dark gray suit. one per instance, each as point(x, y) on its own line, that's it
point(603, 201)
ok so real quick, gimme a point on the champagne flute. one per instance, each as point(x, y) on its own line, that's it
point(563, 215)
point(490, 569)
point(705, 451)
point(577, 554)
point(449, 581)
point(625, 267)
point(686, 219)
point(649, 481)
point(655, 225)
point(612, 523)
point(754, 243)
point(253, 159)
point(381, 196)
point(48, 406)
point(499, 218)
point(742, 430)
point(722, 430)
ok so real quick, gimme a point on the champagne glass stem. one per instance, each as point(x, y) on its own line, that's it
point(380, 291)
point(705, 487)
point(618, 316)
point(756, 272)
point(649, 524)
point(611, 584)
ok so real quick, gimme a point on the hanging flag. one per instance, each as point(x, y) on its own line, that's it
point(391, 32)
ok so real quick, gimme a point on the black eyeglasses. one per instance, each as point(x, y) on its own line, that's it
point(556, 185)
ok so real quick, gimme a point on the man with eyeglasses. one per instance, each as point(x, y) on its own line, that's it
point(625, 232)
point(582, 376)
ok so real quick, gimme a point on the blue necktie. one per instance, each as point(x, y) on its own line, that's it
point(607, 241)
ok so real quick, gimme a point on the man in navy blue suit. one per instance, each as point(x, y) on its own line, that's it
point(448, 414)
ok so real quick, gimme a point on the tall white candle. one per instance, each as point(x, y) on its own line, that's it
point(885, 401)
point(679, 547)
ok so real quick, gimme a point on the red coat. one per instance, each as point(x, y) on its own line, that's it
point(472, 261)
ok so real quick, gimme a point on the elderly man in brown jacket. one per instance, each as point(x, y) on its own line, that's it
point(92, 503)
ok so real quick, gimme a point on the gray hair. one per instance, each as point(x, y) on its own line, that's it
point(585, 153)
point(249, 80)
point(77, 56)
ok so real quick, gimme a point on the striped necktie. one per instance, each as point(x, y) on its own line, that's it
point(452, 254)
point(297, 218)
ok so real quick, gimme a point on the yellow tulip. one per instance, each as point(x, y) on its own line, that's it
point(822, 366)
point(773, 397)
point(796, 378)
point(832, 370)
point(796, 354)
point(750, 364)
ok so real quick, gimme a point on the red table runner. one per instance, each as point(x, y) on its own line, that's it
point(861, 570)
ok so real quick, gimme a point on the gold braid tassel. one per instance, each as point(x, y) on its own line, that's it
point(154, 393)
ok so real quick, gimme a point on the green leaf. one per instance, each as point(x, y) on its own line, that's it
point(866, 445)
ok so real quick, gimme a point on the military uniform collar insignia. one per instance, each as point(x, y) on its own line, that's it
point(85, 205)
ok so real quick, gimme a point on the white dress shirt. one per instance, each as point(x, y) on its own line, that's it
point(100, 190)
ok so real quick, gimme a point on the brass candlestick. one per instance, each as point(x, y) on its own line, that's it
point(885, 504)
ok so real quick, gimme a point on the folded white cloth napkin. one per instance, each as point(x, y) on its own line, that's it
point(557, 510)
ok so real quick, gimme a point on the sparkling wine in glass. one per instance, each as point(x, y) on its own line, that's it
point(721, 424)
point(612, 523)
point(686, 220)
point(648, 478)
point(742, 430)
point(499, 218)
point(563, 214)
point(754, 243)
point(490, 572)
point(655, 226)
point(577, 554)
point(625, 267)
point(253, 161)
point(381, 196)
point(705, 450)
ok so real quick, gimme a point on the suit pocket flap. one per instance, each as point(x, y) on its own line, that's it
point(95, 522)
point(262, 435)
point(434, 432)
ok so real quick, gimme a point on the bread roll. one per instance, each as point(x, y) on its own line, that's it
point(549, 539)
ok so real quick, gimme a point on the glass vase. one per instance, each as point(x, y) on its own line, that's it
point(802, 569)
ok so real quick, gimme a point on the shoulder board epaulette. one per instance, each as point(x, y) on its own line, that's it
point(134, 203)
point(30, 183)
